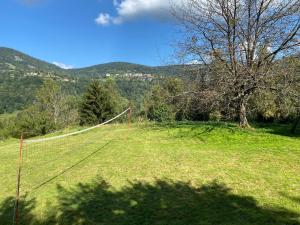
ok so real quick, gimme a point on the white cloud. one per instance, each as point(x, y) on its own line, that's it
point(103, 19)
point(132, 9)
point(63, 66)
point(194, 62)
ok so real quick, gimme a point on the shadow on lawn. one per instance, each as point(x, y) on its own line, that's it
point(7, 211)
point(278, 129)
point(162, 203)
point(190, 125)
point(196, 129)
point(203, 130)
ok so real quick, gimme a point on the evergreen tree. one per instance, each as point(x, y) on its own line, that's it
point(101, 102)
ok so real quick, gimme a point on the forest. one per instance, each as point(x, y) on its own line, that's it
point(191, 97)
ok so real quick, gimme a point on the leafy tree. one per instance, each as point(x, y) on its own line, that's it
point(52, 110)
point(162, 103)
point(7, 126)
point(33, 122)
point(156, 107)
point(57, 104)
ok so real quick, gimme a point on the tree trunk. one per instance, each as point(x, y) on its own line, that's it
point(243, 115)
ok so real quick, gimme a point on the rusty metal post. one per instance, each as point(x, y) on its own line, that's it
point(16, 219)
point(129, 117)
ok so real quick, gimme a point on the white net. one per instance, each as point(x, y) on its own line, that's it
point(49, 159)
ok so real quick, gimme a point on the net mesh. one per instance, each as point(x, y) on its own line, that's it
point(47, 159)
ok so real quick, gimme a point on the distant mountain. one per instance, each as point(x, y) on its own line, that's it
point(125, 68)
point(12, 60)
point(21, 75)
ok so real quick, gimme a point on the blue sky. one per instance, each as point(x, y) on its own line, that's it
point(81, 33)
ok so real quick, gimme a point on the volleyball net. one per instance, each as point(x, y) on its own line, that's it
point(44, 160)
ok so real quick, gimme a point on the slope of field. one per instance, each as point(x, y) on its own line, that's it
point(178, 174)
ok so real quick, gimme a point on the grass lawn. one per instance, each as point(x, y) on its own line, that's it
point(150, 174)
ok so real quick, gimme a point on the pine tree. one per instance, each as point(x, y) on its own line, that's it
point(100, 103)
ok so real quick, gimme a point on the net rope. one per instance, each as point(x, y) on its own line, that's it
point(75, 133)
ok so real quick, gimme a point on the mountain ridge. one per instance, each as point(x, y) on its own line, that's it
point(13, 59)
point(21, 75)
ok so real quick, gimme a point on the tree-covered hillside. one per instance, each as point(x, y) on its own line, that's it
point(121, 68)
point(12, 60)
point(21, 75)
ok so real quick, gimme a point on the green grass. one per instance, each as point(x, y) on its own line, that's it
point(162, 174)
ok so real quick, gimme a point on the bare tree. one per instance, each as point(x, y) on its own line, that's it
point(288, 88)
point(245, 37)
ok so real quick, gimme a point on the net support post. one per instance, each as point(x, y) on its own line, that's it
point(16, 217)
point(129, 116)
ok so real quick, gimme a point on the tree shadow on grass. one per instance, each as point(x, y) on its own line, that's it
point(192, 128)
point(26, 214)
point(188, 124)
point(203, 130)
point(278, 129)
point(7, 211)
point(163, 202)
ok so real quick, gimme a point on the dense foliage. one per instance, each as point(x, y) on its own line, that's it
point(158, 105)
point(45, 103)
point(17, 92)
point(53, 109)
point(100, 102)
point(194, 98)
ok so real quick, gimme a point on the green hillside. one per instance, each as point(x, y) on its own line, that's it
point(183, 174)
point(21, 75)
point(124, 67)
point(12, 60)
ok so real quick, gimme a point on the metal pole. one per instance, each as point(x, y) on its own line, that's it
point(129, 117)
point(16, 219)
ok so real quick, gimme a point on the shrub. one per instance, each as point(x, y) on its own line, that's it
point(160, 113)
point(7, 127)
point(215, 116)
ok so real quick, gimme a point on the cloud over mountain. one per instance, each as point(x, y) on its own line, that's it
point(63, 66)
